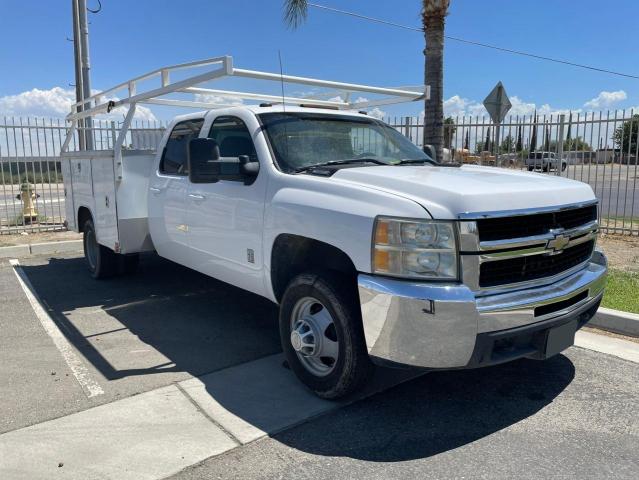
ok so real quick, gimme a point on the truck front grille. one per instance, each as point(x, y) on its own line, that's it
point(491, 229)
point(533, 267)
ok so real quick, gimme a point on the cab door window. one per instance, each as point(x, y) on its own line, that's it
point(173, 160)
point(233, 137)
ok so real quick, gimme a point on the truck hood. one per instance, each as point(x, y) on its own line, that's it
point(447, 192)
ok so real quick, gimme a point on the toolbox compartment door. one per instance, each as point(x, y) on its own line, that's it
point(105, 213)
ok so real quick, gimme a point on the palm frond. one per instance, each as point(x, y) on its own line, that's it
point(435, 8)
point(295, 12)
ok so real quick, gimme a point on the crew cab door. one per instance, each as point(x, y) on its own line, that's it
point(168, 186)
point(225, 218)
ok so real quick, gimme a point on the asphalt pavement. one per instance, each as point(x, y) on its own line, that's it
point(573, 416)
point(614, 185)
point(169, 373)
point(165, 324)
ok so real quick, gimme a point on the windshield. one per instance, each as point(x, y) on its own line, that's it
point(301, 140)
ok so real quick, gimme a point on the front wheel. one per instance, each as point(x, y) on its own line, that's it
point(322, 336)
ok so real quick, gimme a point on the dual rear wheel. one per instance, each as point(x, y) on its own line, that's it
point(102, 261)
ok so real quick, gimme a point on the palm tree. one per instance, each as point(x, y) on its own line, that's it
point(449, 131)
point(433, 20)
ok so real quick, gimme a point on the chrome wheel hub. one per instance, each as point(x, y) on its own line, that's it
point(313, 336)
point(296, 340)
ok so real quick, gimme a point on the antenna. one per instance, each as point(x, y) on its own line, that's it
point(279, 54)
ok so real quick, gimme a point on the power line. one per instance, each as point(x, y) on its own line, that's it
point(471, 42)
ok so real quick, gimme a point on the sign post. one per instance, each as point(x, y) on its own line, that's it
point(497, 104)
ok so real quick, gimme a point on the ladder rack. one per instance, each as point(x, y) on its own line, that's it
point(216, 69)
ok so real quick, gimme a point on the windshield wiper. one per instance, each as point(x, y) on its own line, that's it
point(340, 162)
point(416, 161)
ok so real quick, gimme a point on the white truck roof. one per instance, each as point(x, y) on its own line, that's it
point(258, 109)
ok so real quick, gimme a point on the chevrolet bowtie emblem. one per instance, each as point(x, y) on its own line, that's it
point(558, 243)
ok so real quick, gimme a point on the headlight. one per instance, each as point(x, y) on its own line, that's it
point(406, 248)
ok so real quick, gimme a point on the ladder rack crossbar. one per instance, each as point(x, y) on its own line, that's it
point(223, 68)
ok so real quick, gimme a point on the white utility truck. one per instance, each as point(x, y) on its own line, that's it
point(375, 253)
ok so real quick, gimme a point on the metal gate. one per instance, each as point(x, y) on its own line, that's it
point(599, 148)
point(31, 184)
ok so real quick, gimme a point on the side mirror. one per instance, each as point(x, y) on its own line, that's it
point(249, 169)
point(202, 153)
point(207, 166)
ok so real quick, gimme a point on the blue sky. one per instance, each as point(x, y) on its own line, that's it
point(131, 37)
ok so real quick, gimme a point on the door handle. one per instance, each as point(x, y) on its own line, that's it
point(197, 196)
point(155, 190)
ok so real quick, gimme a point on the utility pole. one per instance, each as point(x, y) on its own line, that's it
point(77, 58)
point(82, 69)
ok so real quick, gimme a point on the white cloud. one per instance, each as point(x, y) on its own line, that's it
point(377, 113)
point(605, 99)
point(218, 99)
point(56, 102)
point(457, 106)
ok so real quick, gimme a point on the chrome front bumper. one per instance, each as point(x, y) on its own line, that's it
point(443, 325)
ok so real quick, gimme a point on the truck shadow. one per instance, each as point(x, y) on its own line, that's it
point(193, 323)
point(196, 325)
point(436, 413)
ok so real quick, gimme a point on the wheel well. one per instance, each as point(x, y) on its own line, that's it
point(84, 214)
point(294, 254)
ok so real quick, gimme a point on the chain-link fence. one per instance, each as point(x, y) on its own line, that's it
point(31, 184)
point(599, 148)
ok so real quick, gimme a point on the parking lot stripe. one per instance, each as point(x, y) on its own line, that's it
point(90, 387)
point(608, 345)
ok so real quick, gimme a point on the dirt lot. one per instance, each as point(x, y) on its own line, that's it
point(622, 251)
point(37, 237)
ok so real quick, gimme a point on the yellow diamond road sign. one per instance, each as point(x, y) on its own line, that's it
point(497, 103)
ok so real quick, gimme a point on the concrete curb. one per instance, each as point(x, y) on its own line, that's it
point(48, 248)
point(616, 321)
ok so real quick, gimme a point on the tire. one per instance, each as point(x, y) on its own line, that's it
point(545, 169)
point(530, 169)
point(102, 262)
point(307, 303)
point(563, 167)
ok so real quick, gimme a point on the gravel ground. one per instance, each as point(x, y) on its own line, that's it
point(37, 237)
point(622, 251)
